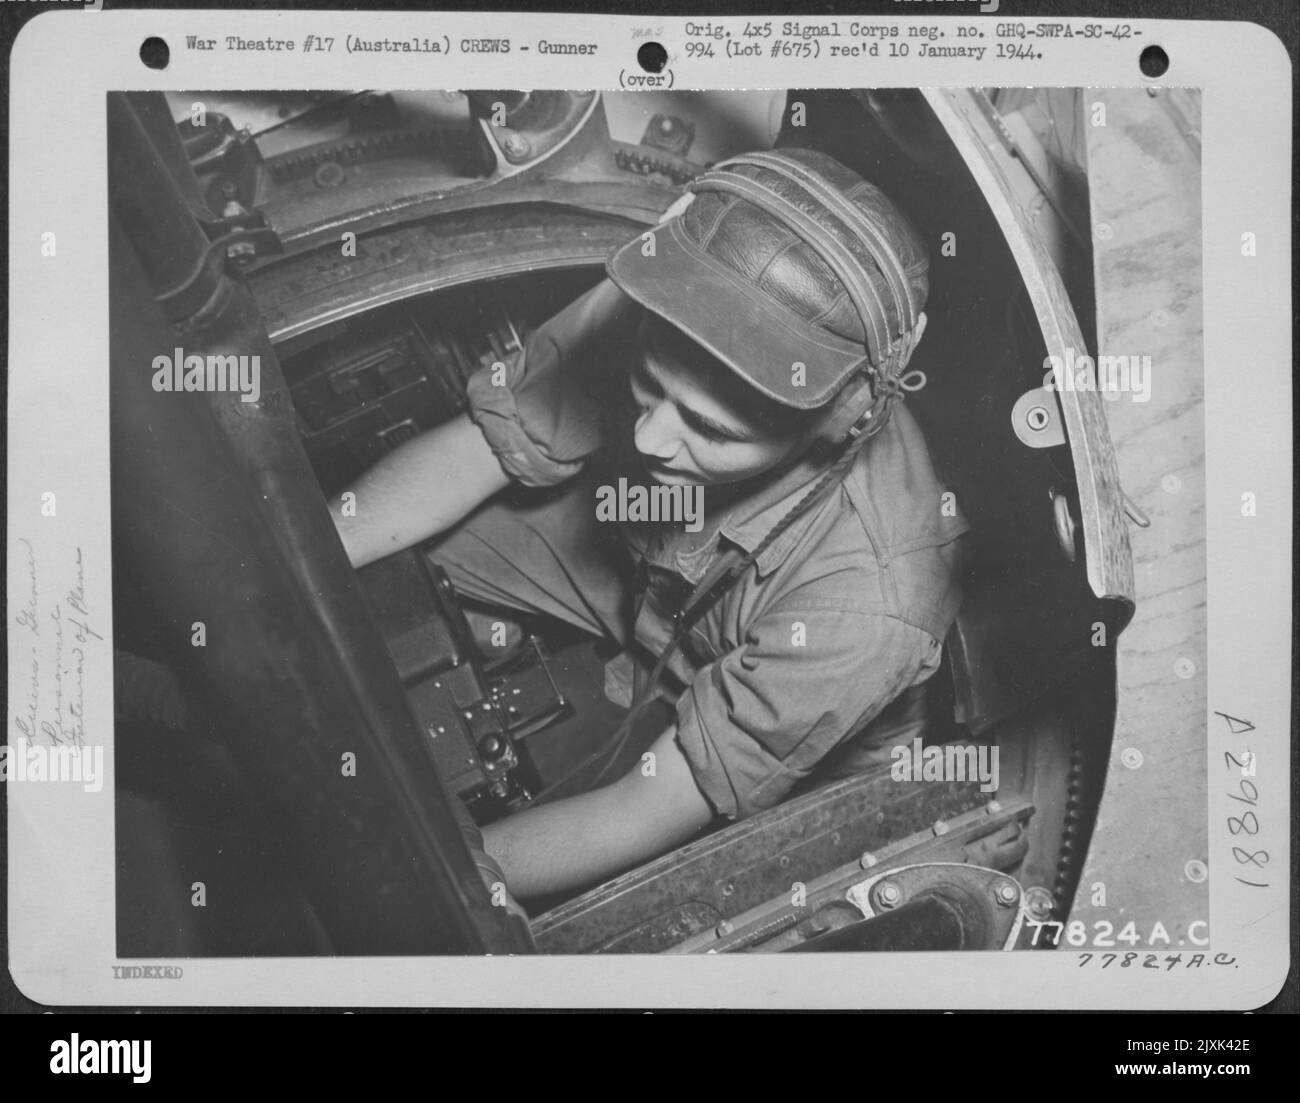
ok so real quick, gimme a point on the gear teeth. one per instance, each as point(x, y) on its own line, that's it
point(294, 166)
point(646, 165)
point(1070, 828)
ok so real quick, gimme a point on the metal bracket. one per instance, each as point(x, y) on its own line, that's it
point(238, 247)
point(1036, 419)
point(247, 235)
point(893, 888)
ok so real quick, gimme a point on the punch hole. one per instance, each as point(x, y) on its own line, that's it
point(1153, 62)
point(155, 52)
point(652, 57)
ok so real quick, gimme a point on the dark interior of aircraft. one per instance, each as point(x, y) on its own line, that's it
point(227, 753)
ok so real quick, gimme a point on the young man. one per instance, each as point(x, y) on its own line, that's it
point(749, 350)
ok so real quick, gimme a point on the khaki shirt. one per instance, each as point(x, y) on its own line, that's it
point(842, 616)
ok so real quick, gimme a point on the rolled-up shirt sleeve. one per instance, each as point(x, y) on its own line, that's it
point(759, 719)
point(539, 410)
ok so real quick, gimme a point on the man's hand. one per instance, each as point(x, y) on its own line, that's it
point(583, 839)
point(416, 491)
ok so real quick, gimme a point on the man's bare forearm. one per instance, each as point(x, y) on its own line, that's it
point(577, 841)
point(417, 491)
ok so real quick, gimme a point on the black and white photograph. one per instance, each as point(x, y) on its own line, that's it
point(553, 512)
point(645, 522)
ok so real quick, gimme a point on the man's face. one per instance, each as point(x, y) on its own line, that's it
point(697, 422)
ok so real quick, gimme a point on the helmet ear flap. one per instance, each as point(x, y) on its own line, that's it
point(872, 392)
point(849, 407)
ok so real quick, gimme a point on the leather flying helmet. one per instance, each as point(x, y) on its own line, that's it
point(794, 272)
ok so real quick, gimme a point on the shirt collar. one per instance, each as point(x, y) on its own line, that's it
point(745, 523)
point(749, 522)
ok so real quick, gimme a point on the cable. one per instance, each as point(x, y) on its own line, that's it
point(316, 109)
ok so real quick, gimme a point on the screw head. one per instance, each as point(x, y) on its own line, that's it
point(1039, 902)
point(330, 175)
point(1006, 893)
point(888, 894)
